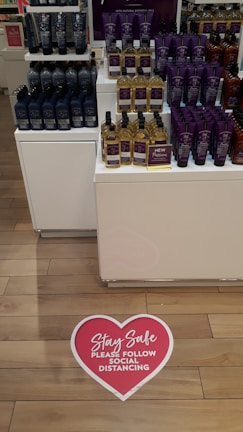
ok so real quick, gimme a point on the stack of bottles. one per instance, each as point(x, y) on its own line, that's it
point(130, 58)
point(215, 18)
point(59, 97)
point(127, 25)
point(63, 31)
point(126, 142)
point(192, 84)
point(140, 93)
point(200, 132)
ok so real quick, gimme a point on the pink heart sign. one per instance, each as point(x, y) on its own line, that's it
point(122, 357)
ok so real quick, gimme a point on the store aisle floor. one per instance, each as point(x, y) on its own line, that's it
point(48, 285)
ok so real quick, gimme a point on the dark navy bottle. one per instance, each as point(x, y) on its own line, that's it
point(46, 76)
point(71, 76)
point(21, 108)
point(49, 109)
point(76, 108)
point(58, 76)
point(33, 75)
point(62, 109)
point(90, 111)
point(34, 109)
point(84, 79)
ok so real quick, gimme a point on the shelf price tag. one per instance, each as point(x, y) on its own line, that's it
point(159, 157)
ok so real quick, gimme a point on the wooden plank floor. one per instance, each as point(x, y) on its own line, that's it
point(48, 285)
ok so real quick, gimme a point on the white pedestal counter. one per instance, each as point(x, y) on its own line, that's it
point(175, 225)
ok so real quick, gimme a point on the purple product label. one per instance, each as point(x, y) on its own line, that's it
point(176, 90)
point(203, 141)
point(156, 99)
point(124, 100)
point(145, 63)
point(126, 29)
point(235, 27)
point(212, 89)
point(221, 27)
point(112, 154)
point(207, 27)
point(145, 29)
point(184, 146)
point(130, 64)
point(140, 98)
point(139, 154)
point(114, 64)
point(125, 151)
point(181, 53)
point(222, 145)
point(193, 89)
point(198, 53)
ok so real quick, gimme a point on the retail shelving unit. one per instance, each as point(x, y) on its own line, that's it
point(58, 167)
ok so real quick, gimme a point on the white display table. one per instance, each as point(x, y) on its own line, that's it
point(181, 224)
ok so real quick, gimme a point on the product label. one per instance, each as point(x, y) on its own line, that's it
point(221, 27)
point(124, 100)
point(114, 64)
point(130, 64)
point(193, 89)
point(77, 121)
point(185, 141)
point(140, 98)
point(176, 90)
point(222, 145)
point(235, 26)
point(63, 124)
point(203, 142)
point(207, 27)
point(112, 154)
point(139, 155)
point(198, 53)
point(125, 151)
point(156, 99)
point(181, 53)
point(212, 89)
point(145, 63)
point(50, 124)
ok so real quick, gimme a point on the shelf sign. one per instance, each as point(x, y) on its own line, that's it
point(122, 357)
point(14, 35)
point(159, 157)
point(21, 5)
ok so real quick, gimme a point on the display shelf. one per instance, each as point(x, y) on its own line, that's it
point(46, 9)
point(70, 56)
point(127, 173)
point(74, 134)
point(9, 6)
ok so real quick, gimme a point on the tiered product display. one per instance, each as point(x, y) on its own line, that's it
point(171, 86)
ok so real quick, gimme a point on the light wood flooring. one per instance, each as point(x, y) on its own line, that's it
point(48, 285)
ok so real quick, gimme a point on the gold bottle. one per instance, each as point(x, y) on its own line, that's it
point(130, 58)
point(155, 92)
point(145, 57)
point(124, 92)
point(112, 149)
point(140, 146)
point(114, 60)
point(105, 128)
point(126, 144)
point(159, 134)
point(140, 92)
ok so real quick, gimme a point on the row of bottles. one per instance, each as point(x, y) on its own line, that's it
point(126, 142)
point(70, 74)
point(130, 58)
point(60, 108)
point(139, 93)
point(219, 18)
point(47, 31)
point(201, 132)
point(222, 50)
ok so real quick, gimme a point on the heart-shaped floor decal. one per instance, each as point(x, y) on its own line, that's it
point(122, 357)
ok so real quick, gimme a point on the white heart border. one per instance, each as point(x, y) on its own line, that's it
point(121, 325)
